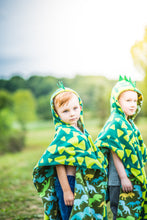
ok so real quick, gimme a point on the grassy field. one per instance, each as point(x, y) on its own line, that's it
point(18, 197)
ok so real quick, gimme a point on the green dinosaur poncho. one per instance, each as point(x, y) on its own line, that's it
point(73, 147)
point(123, 137)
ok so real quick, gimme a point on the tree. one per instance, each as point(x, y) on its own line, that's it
point(41, 85)
point(3, 83)
point(24, 106)
point(15, 83)
point(5, 99)
point(43, 108)
point(11, 139)
point(139, 55)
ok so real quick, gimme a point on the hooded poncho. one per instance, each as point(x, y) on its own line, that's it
point(75, 148)
point(123, 137)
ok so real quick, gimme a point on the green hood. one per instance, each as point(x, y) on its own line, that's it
point(57, 121)
point(121, 86)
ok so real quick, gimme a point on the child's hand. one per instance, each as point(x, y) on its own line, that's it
point(69, 198)
point(126, 184)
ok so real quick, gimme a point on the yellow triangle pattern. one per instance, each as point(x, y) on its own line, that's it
point(74, 141)
point(90, 150)
point(134, 139)
point(67, 130)
point(128, 152)
point(80, 160)
point(124, 125)
point(61, 159)
point(90, 161)
point(134, 158)
point(134, 171)
point(113, 148)
point(120, 153)
point(128, 166)
point(116, 140)
point(126, 137)
point(113, 127)
point(98, 143)
point(42, 161)
point(52, 148)
point(61, 149)
point(71, 160)
point(123, 145)
point(131, 141)
point(70, 150)
point(140, 178)
point(50, 160)
point(82, 145)
point(140, 138)
point(75, 134)
point(63, 138)
point(129, 132)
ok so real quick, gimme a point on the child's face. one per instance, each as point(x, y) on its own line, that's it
point(128, 102)
point(70, 111)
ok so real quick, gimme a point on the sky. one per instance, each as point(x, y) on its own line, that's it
point(68, 37)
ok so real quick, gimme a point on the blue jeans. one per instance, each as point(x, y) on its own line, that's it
point(114, 192)
point(64, 209)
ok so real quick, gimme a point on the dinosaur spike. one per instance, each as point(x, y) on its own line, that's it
point(128, 80)
point(125, 78)
point(120, 78)
point(134, 84)
point(60, 85)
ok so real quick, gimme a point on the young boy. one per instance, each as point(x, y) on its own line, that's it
point(70, 176)
point(121, 141)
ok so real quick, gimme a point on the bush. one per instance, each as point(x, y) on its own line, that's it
point(16, 142)
point(13, 142)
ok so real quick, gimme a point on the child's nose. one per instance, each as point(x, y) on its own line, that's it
point(133, 103)
point(72, 112)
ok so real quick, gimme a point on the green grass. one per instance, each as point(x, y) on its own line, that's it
point(18, 196)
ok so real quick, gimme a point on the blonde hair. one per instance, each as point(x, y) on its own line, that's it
point(62, 98)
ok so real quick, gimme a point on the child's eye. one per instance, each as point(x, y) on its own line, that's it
point(65, 111)
point(75, 108)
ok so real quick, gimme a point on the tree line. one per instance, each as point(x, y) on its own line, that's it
point(24, 100)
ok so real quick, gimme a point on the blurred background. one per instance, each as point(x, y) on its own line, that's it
point(86, 44)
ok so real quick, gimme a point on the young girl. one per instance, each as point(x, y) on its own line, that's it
point(70, 176)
